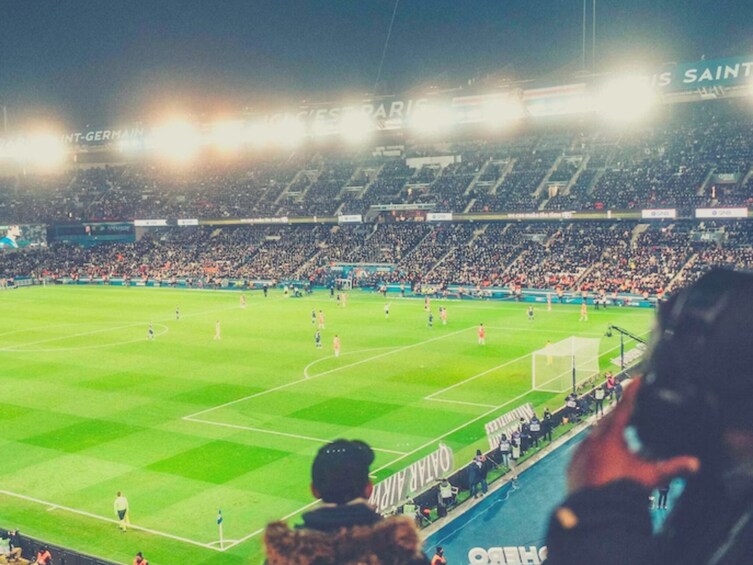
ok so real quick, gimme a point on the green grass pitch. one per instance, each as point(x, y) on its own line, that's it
point(186, 425)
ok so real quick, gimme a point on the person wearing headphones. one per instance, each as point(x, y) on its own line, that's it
point(689, 415)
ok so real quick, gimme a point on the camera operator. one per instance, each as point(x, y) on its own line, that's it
point(691, 415)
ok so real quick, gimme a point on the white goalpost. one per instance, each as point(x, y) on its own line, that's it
point(558, 366)
point(345, 284)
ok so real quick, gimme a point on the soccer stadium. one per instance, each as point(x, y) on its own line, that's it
point(461, 271)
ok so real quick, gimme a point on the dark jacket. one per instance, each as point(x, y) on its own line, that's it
point(349, 534)
point(611, 525)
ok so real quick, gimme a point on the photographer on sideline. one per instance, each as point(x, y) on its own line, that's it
point(691, 414)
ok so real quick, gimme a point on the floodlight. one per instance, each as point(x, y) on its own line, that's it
point(432, 118)
point(177, 140)
point(626, 99)
point(228, 136)
point(502, 111)
point(42, 150)
point(356, 126)
point(258, 134)
point(288, 133)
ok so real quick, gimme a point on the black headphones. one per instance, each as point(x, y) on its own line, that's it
point(678, 410)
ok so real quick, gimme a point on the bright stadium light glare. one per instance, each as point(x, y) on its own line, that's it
point(177, 140)
point(288, 133)
point(258, 134)
point(626, 99)
point(502, 111)
point(228, 136)
point(356, 127)
point(432, 119)
point(42, 150)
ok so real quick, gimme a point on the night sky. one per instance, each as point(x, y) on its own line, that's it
point(108, 62)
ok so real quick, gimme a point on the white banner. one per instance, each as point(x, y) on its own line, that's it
point(393, 491)
point(506, 423)
point(189, 222)
point(659, 213)
point(439, 217)
point(350, 219)
point(280, 220)
point(149, 223)
point(721, 213)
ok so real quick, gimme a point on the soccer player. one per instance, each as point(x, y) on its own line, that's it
point(318, 339)
point(121, 510)
point(583, 311)
point(387, 311)
point(481, 334)
point(431, 319)
point(243, 300)
point(177, 312)
point(313, 316)
point(427, 303)
point(150, 332)
point(217, 331)
point(336, 345)
point(321, 320)
point(548, 301)
point(338, 299)
point(443, 315)
point(530, 313)
point(345, 299)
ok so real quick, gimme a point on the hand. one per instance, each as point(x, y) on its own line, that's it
point(604, 457)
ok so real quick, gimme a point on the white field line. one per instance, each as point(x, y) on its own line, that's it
point(463, 402)
point(284, 434)
point(165, 330)
point(474, 377)
point(541, 331)
point(15, 348)
point(317, 361)
point(299, 381)
point(52, 506)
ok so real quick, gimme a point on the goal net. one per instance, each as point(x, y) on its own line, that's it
point(554, 365)
point(345, 284)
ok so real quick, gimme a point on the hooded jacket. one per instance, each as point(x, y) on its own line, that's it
point(349, 534)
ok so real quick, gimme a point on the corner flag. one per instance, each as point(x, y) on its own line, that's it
point(219, 525)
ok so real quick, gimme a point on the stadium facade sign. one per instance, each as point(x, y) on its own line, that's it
point(188, 222)
point(395, 489)
point(439, 217)
point(506, 423)
point(389, 112)
point(730, 71)
point(659, 214)
point(509, 555)
point(721, 213)
point(104, 136)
